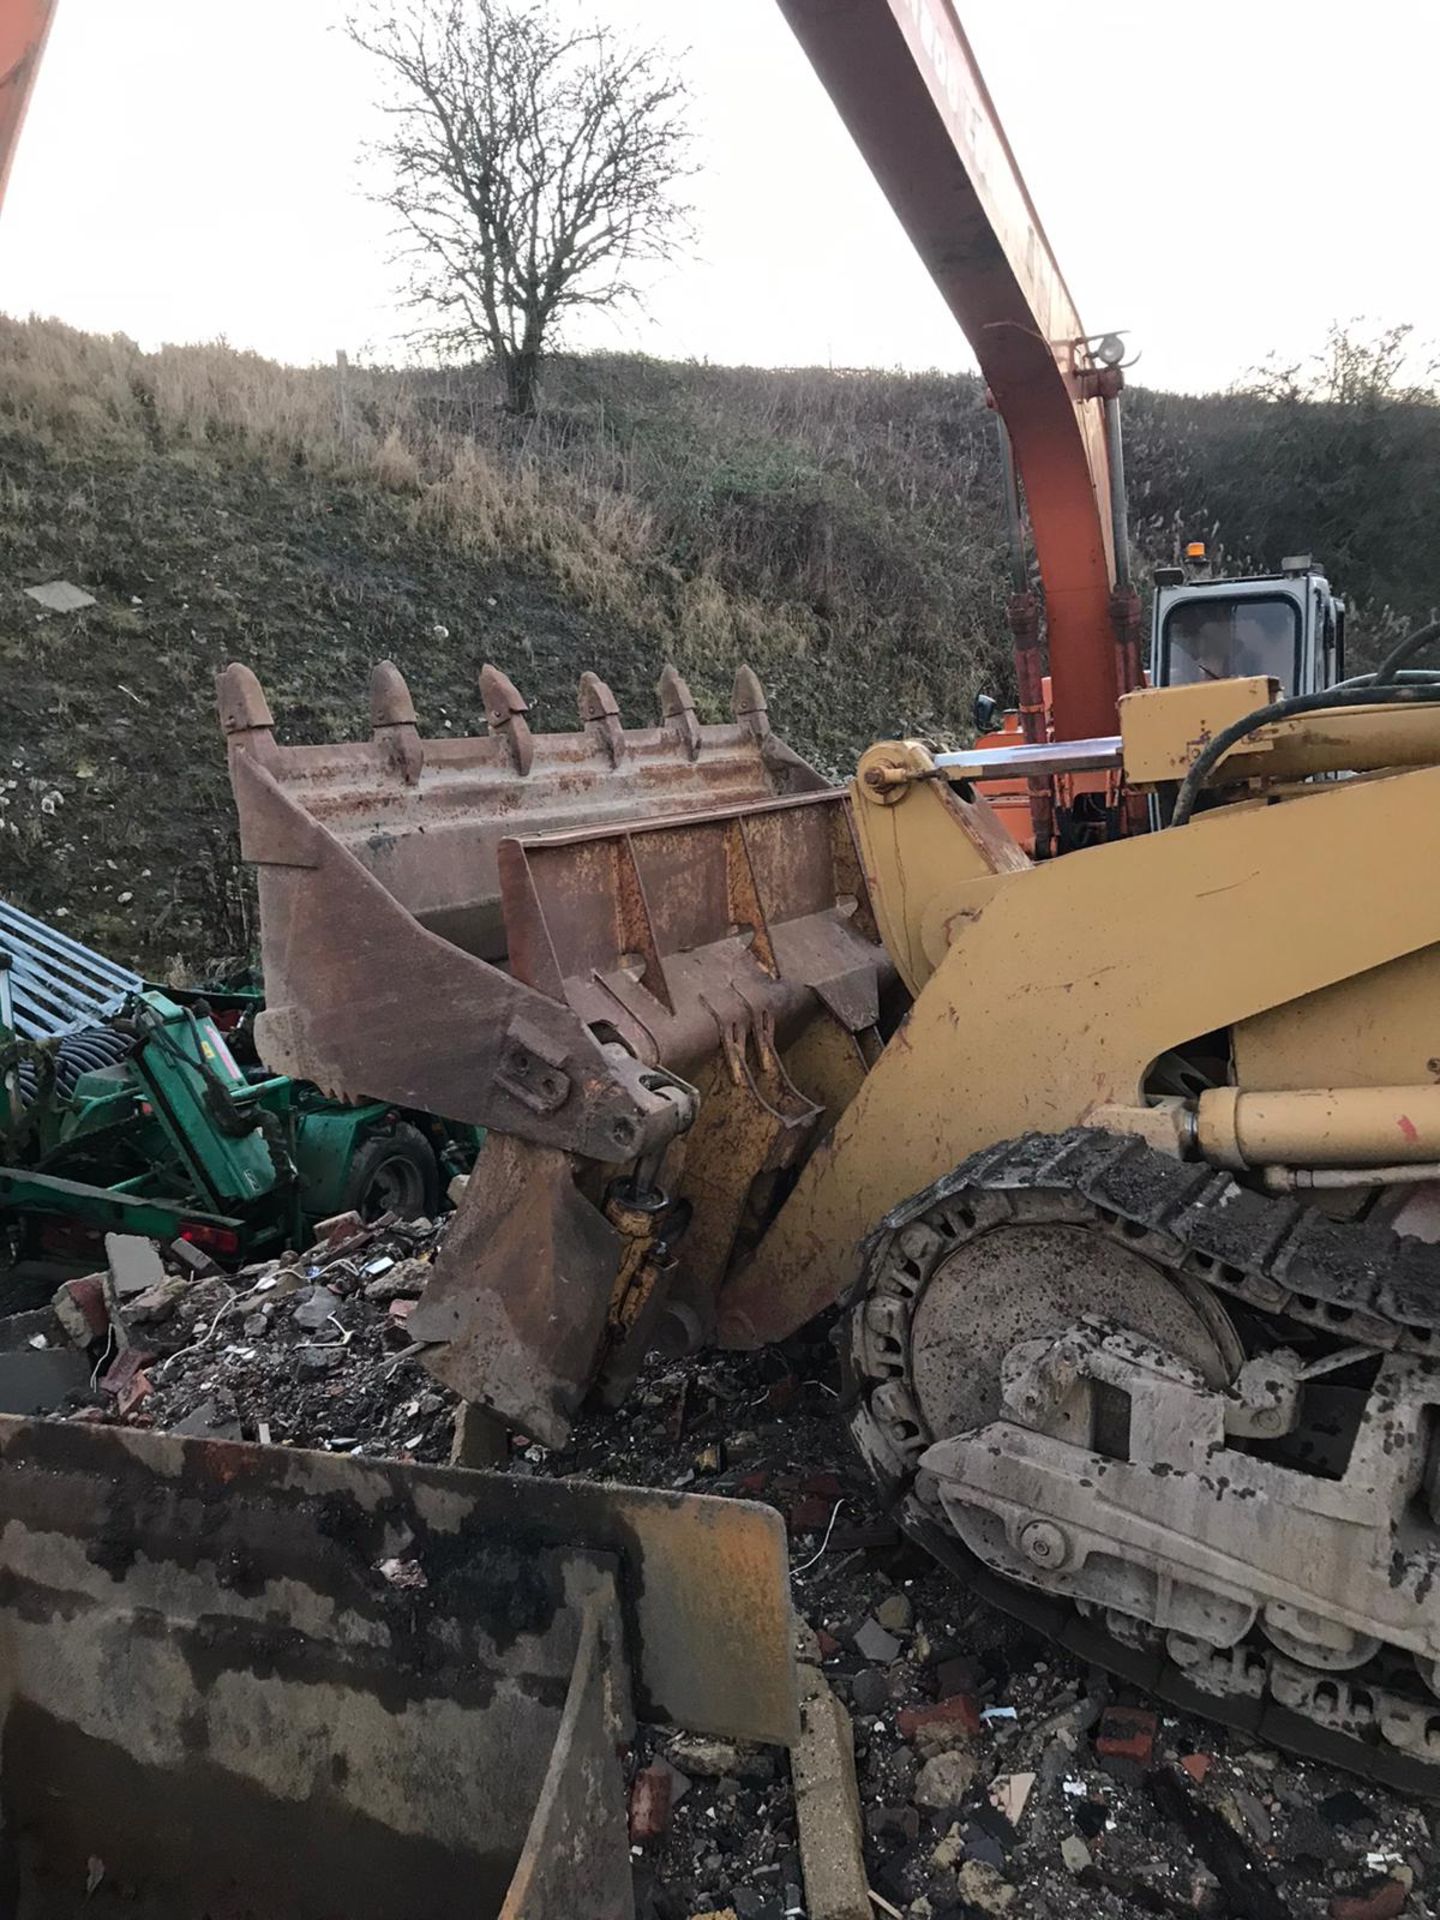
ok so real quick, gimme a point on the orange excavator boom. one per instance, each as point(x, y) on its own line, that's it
point(905, 82)
point(24, 29)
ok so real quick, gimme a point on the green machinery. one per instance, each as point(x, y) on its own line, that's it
point(140, 1118)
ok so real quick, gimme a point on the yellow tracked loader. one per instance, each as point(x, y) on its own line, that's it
point(1126, 1163)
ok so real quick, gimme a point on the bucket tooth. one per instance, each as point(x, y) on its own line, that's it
point(600, 716)
point(241, 700)
point(749, 705)
point(677, 709)
point(505, 711)
point(392, 722)
point(390, 702)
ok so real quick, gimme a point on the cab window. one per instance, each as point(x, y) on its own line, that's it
point(1216, 639)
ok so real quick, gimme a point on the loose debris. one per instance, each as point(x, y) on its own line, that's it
point(61, 596)
point(994, 1774)
point(309, 1350)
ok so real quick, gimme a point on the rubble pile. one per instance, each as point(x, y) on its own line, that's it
point(995, 1775)
point(307, 1350)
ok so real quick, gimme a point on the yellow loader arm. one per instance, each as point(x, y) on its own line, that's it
point(1045, 993)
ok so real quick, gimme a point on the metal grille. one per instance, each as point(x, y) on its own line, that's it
point(57, 985)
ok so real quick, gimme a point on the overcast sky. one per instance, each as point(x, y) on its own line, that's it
point(1220, 180)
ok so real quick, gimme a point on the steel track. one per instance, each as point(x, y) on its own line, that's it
point(1362, 1284)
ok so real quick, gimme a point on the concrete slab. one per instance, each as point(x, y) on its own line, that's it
point(827, 1806)
point(60, 596)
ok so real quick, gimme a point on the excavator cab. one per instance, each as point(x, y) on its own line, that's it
point(1286, 626)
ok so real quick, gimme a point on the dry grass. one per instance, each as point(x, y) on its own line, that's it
point(846, 520)
point(726, 514)
point(841, 531)
point(838, 528)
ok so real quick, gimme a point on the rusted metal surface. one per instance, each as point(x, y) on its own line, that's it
point(672, 934)
point(641, 1217)
point(252, 1680)
point(671, 904)
point(426, 816)
point(518, 1302)
point(381, 898)
point(708, 947)
point(904, 80)
point(754, 1123)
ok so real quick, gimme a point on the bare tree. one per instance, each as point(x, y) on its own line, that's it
point(1358, 368)
point(532, 170)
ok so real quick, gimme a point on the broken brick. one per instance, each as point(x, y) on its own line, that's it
point(137, 1390)
point(157, 1302)
point(753, 1483)
point(339, 1226)
point(79, 1306)
point(829, 1645)
point(810, 1515)
point(1127, 1734)
point(961, 1712)
point(650, 1799)
point(121, 1376)
point(1383, 1902)
point(781, 1394)
point(1198, 1766)
point(824, 1486)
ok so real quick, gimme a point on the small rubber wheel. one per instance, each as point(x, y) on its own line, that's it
point(394, 1172)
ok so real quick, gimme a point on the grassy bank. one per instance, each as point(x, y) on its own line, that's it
point(839, 531)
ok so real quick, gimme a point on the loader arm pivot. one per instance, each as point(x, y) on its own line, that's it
point(905, 82)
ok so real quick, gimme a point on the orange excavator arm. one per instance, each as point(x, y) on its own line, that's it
point(24, 28)
point(905, 82)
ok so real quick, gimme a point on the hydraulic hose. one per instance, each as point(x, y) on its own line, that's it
point(1389, 685)
point(1426, 693)
point(87, 1051)
point(1397, 657)
point(1403, 677)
